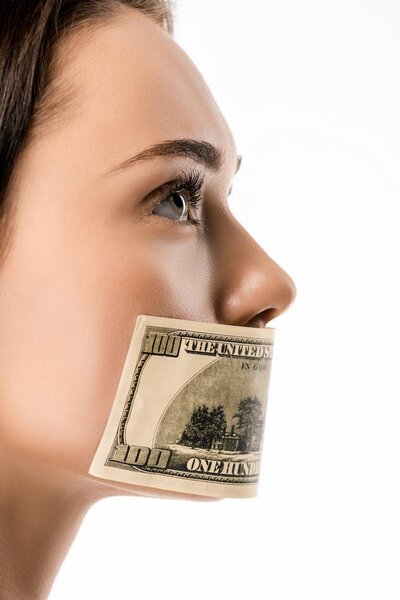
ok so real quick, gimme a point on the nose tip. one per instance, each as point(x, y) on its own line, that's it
point(254, 289)
point(288, 292)
point(258, 297)
point(282, 290)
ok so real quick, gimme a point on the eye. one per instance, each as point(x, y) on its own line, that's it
point(179, 197)
point(175, 206)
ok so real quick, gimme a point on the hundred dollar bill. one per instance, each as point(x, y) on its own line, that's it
point(189, 410)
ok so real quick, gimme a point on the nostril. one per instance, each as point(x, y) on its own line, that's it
point(262, 318)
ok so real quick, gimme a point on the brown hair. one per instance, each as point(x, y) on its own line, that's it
point(30, 94)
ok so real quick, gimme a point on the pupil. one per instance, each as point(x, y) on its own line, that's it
point(180, 201)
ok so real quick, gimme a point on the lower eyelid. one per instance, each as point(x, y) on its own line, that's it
point(168, 222)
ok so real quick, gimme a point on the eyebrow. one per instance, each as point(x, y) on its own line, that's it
point(198, 150)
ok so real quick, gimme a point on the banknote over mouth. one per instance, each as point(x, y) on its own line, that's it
point(189, 411)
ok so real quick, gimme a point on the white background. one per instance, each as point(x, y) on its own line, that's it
point(311, 92)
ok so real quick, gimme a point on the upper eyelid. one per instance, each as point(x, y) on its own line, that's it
point(178, 182)
point(167, 186)
point(161, 190)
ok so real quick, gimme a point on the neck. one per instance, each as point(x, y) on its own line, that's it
point(41, 510)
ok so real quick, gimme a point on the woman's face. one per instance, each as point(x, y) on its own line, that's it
point(88, 253)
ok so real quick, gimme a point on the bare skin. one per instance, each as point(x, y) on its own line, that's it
point(88, 255)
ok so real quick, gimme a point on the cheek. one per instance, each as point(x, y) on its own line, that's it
point(67, 311)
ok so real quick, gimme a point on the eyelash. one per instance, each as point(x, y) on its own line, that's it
point(192, 181)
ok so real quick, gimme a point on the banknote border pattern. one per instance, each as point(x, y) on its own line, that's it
point(119, 437)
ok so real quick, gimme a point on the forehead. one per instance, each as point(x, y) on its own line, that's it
point(135, 86)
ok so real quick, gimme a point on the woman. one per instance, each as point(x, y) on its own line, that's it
point(116, 166)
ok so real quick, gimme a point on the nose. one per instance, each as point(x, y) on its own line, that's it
point(251, 288)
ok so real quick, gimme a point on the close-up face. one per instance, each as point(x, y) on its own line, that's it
point(92, 247)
